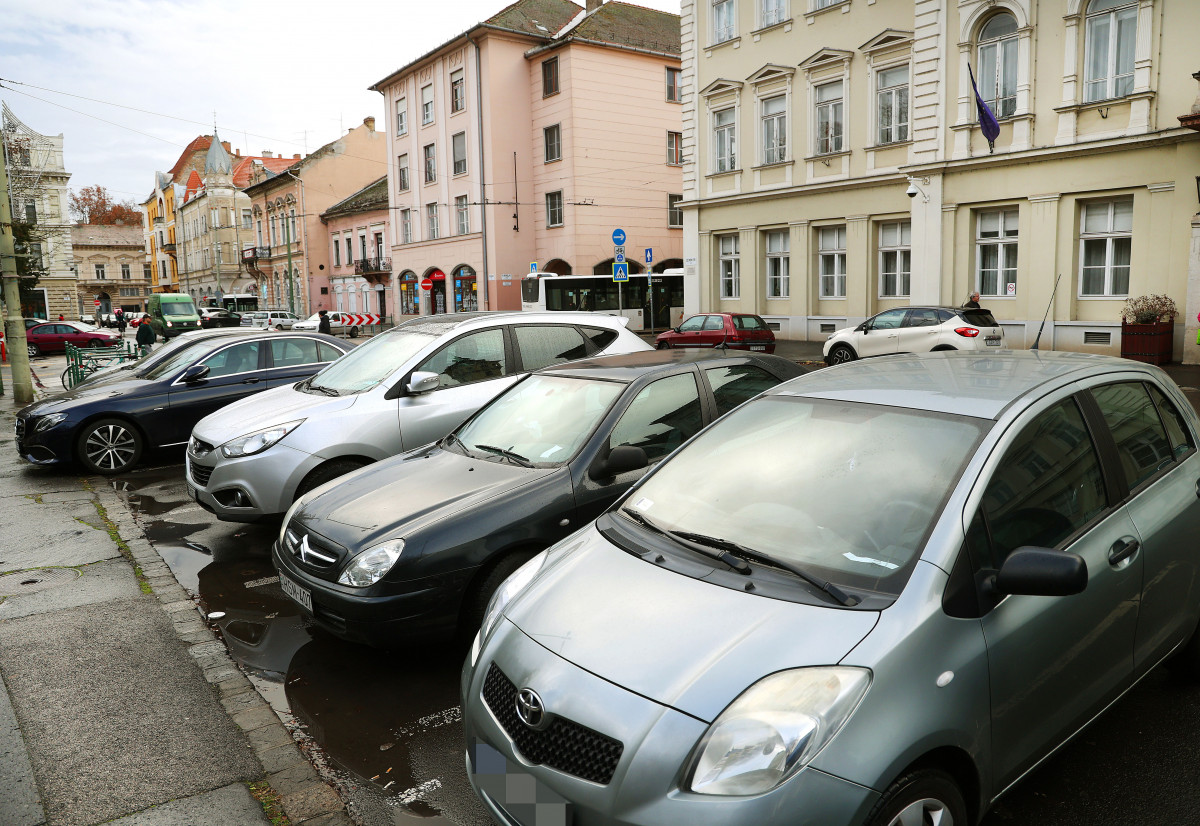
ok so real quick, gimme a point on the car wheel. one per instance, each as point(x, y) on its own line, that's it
point(924, 796)
point(33, 350)
point(95, 342)
point(943, 348)
point(353, 332)
point(326, 472)
point(664, 345)
point(476, 601)
point(109, 446)
point(841, 354)
point(279, 328)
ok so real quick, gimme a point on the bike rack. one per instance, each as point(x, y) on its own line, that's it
point(82, 362)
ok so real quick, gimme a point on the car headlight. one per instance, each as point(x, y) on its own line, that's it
point(517, 582)
point(370, 566)
point(169, 324)
point(47, 422)
point(774, 729)
point(258, 441)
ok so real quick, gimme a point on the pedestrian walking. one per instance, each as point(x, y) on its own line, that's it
point(323, 325)
point(145, 336)
point(121, 321)
point(972, 302)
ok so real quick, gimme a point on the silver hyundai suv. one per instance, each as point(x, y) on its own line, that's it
point(402, 389)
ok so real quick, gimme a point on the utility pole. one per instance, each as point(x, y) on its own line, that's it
point(14, 333)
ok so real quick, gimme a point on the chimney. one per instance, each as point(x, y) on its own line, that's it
point(225, 145)
point(592, 5)
point(369, 122)
point(266, 153)
point(296, 157)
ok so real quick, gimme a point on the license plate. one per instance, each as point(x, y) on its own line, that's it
point(992, 341)
point(758, 347)
point(193, 494)
point(522, 797)
point(296, 592)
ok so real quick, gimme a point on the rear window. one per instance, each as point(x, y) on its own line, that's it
point(979, 318)
point(599, 337)
point(748, 322)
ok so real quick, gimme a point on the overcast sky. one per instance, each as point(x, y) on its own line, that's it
point(130, 82)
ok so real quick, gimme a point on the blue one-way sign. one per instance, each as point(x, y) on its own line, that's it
point(621, 272)
point(618, 236)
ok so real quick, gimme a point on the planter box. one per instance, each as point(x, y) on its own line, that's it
point(1150, 343)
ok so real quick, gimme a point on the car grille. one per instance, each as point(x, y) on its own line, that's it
point(200, 474)
point(563, 745)
point(311, 551)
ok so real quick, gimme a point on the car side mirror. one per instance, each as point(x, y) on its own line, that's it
point(420, 383)
point(195, 373)
point(621, 459)
point(1041, 572)
point(863, 328)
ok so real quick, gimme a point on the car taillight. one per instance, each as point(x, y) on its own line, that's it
point(966, 332)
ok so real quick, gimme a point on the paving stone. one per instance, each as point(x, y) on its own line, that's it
point(244, 701)
point(309, 801)
point(331, 819)
point(255, 718)
point(292, 779)
point(268, 737)
point(280, 758)
point(205, 648)
point(216, 675)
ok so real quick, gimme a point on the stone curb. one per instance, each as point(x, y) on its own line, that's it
point(305, 797)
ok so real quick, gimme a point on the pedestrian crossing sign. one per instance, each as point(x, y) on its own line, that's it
point(621, 272)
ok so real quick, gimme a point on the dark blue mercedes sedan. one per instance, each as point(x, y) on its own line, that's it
point(108, 423)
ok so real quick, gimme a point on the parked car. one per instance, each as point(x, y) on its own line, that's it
point(736, 331)
point(272, 319)
point(915, 330)
point(33, 322)
point(403, 389)
point(54, 336)
point(339, 323)
point(545, 456)
point(86, 318)
point(160, 353)
point(107, 424)
point(211, 317)
point(868, 597)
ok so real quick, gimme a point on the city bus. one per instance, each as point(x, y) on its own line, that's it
point(234, 302)
point(631, 298)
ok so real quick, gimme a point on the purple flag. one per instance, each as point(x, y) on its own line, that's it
point(987, 121)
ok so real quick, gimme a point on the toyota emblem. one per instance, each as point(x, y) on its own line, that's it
point(530, 708)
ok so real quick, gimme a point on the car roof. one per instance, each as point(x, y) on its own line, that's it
point(629, 367)
point(447, 322)
point(959, 382)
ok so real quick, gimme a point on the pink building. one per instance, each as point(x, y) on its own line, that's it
point(528, 140)
point(360, 264)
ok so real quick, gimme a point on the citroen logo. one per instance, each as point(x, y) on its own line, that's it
point(530, 708)
point(304, 549)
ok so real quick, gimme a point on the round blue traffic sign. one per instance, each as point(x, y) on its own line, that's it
point(618, 236)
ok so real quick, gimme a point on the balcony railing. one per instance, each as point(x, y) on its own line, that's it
point(159, 221)
point(370, 265)
point(169, 249)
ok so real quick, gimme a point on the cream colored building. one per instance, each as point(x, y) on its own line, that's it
point(112, 268)
point(806, 121)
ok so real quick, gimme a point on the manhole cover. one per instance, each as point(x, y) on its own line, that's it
point(26, 582)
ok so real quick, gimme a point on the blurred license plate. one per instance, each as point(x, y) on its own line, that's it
point(992, 341)
point(293, 590)
point(522, 797)
point(758, 347)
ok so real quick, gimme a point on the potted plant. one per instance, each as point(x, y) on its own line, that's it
point(1147, 328)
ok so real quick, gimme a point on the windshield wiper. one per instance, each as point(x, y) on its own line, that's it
point(451, 438)
point(721, 555)
point(507, 454)
point(824, 585)
point(320, 388)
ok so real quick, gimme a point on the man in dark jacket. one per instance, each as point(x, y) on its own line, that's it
point(323, 323)
point(145, 336)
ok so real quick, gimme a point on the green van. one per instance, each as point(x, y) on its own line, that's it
point(172, 314)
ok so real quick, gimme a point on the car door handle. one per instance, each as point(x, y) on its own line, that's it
point(1122, 550)
point(251, 381)
point(1198, 488)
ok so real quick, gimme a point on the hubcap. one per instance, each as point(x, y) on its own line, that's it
point(33, 351)
point(109, 447)
point(841, 355)
point(927, 812)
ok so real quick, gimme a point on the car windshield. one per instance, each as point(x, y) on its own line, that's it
point(849, 492)
point(366, 366)
point(177, 359)
point(542, 419)
point(177, 308)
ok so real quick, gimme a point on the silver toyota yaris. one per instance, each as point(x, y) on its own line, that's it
point(877, 594)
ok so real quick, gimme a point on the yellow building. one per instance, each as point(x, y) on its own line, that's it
point(160, 234)
point(835, 166)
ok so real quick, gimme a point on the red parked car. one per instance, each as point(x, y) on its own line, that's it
point(53, 337)
point(737, 331)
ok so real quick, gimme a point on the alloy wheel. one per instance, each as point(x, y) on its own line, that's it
point(927, 812)
point(110, 447)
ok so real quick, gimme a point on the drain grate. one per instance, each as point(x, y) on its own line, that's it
point(26, 582)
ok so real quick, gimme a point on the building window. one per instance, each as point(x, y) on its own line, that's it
point(362, 247)
point(773, 11)
point(337, 253)
point(426, 104)
point(892, 100)
point(674, 92)
point(247, 219)
point(674, 213)
point(829, 118)
point(554, 209)
point(778, 264)
point(401, 116)
point(998, 64)
point(430, 164)
point(727, 261)
point(126, 274)
point(147, 273)
point(349, 250)
point(1106, 241)
point(724, 20)
point(462, 215)
point(100, 276)
point(552, 140)
point(30, 212)
point(550, 77)
point(895, 259)
point(458, 148)
point(402, 172)
point(724, 141)
point(406, 235)
point(675, 148)
point(458, 91)
point(292, 225)
point(824, 4)
point(831, 248)
point(774, 129)
point(431, 220)
point(1111, 38)
point(996, 252)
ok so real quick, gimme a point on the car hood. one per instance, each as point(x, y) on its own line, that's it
point(271, 407)
point(119, 385)
point(407, 492)
point(678, 640)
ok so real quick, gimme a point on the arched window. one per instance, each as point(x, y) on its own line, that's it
point(1111, 38)
point(998, 64)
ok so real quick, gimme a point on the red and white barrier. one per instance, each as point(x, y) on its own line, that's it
point(359, 319)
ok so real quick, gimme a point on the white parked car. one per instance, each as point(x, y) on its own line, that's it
point(272, 319)
point(916, 330)
point(338, 324)
point(404, 388)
